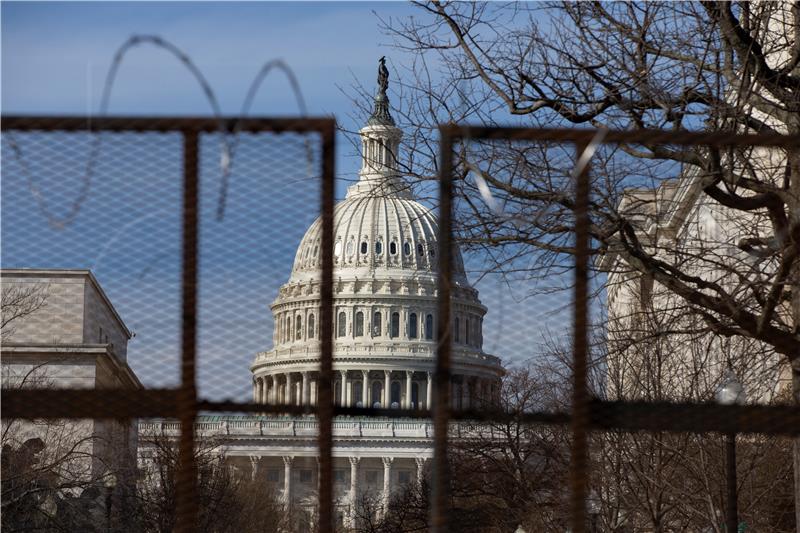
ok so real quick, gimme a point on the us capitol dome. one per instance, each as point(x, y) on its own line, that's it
point(385, 288)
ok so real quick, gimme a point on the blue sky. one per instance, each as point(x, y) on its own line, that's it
point(55, 57)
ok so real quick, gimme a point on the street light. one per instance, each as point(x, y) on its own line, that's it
point(730, 392)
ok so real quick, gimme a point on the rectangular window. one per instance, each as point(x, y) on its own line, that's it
point(273, 475)
point(305, 475)
point(372, 477)
point(376, 324)
point(404, 477)
point(359, 324)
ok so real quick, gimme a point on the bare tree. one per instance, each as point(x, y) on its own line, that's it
point(18, 302)
point(227, 501)
point(732, 259)
point(54, 476)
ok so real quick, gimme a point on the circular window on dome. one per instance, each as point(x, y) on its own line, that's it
point(407, 248)
point(393, 248)
point(350, 248)
point(378, 248)
point(337, 249)
point(364, 247)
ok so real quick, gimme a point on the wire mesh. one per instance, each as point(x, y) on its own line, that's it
point(131, 206)
point(653, 425)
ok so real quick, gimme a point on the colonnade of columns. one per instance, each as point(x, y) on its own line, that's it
point(354, 489)
point(363, 388)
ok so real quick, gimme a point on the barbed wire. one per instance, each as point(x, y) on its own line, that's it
point(229, 141)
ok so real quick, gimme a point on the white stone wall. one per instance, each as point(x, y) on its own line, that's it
point(60, 320)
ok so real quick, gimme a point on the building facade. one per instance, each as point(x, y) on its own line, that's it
point(61, 331)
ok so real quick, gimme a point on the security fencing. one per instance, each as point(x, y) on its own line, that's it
point(188, 217)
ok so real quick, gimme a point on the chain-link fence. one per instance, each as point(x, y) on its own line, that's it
point(141, 255)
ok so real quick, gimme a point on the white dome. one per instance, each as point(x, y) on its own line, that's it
point(385, 235)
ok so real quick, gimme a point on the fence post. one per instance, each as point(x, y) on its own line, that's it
point(579, 463)
point(187, 398)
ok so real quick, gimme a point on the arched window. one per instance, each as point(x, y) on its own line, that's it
point(337, 249)
point(467, 325)
point(364, 247)
point(396, 392)
point(311, 326)
point(341, 325)
point(420, 250)
point(378, 248)
point(356, 399)
point(393, 248)
point(359, 326)
point(414, 395)
point(288, 329)
point(376, 324)
point(407, 248)
point(376, 393)
point(395, 325)
point(457, 330)
point(298, 326)
point(429, 327)
point(350, 248)
point(412, 326)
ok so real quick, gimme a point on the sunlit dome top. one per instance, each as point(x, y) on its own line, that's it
point(374, 233)
point(379, 226)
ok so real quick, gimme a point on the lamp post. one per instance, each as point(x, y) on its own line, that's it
point(730, 392)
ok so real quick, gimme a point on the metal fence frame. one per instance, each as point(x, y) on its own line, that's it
point(587, 413)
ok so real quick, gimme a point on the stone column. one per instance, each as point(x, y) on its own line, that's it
point(274, 392)
point(314, 391)
point(287, 479)
point(351, 517)
point(387, 389)
point(288, 397)
point(429, 392)
point(354, 479)
point(407, 403)
point(365, 388)
point(304, 396)
point(420, 470)
point(387, 483)
point(344, 389)
point(257, 390)
point(254, 467)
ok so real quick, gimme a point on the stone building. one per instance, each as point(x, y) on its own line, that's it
point(60, 330)
point(385, 287)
